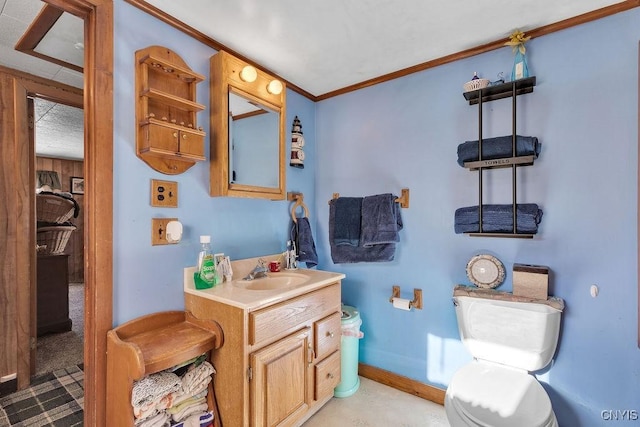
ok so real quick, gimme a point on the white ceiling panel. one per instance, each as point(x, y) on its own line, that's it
point(22, 10)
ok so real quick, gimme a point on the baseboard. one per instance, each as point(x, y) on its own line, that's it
point(402, 383)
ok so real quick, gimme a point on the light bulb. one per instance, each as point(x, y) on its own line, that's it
point(274, 87)
point(249, 74)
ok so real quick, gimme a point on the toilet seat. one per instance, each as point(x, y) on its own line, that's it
point(485, 394)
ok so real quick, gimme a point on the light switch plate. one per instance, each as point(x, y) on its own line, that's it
point(159, 231)
point(164, 193)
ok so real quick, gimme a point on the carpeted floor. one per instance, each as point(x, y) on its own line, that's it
point(55, 399)
point(57, 351)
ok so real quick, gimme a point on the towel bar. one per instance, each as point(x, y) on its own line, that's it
point(403, 199)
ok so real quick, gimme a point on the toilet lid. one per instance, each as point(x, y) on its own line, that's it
point(498, 396)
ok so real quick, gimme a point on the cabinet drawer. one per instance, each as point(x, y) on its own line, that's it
point(327, 375)
point(327, 335)
point(290, 315)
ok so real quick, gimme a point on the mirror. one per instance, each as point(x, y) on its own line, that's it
point(247, 131)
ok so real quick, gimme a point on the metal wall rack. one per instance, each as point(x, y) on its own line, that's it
point(492, 93)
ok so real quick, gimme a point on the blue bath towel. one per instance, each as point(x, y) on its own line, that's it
point(347, 221)
point(345, 254)
point(498, 219)
point(306, 247)
point(381, 220)
point(498, 147)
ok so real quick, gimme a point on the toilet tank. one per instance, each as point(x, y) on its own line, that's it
point(515, 333)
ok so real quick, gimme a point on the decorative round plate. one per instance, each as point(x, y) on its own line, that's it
point(485, 271)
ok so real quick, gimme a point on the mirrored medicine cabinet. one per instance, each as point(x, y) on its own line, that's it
point(247, 130)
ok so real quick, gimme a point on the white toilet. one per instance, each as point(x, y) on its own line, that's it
point(509, 337)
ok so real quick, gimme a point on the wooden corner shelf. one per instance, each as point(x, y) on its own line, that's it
point(151, 344)
point(168, 137)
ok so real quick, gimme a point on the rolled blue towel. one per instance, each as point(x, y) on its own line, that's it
point(498, 147)
point(498, 218)
point(347, 221)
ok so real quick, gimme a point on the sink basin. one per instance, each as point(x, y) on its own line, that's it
point(273, 281)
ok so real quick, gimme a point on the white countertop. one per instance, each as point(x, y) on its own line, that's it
point(251, 300)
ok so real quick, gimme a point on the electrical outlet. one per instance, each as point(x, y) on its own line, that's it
point(164, 193)
point(159, 231)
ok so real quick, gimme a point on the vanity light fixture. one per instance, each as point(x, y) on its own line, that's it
point(274, 87)
point(249, 74)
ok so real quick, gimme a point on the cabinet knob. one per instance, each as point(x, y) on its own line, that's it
point(175, 134)
point(184, 136)
point(330, 334)
point(330, 375)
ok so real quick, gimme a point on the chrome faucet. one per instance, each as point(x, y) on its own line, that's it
point(258, 271)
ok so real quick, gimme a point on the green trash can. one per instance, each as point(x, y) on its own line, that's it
point(351, 334)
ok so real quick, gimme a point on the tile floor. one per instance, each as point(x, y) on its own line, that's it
point(378, 405)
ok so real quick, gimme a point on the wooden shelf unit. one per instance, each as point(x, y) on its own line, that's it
point(168, 137)
point(492, 93)
point(151, 344)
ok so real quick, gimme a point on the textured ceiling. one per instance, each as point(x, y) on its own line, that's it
point(59, 128)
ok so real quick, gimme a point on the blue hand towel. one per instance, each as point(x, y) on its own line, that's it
point(346, 254)
point(347, 221)
point(498, 147)
point(306, 247)
point(381, 220)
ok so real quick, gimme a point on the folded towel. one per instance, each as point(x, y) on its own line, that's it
point(381, 220)
point(154, 387)
point(159, 420)
point(194, 378)
point(187, 411)
point(197, 420)
point(498, 218)
point(343, 254)
point(306, 247)
point(499, 147)
point(348, 211)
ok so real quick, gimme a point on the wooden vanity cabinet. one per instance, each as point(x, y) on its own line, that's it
point(280, 363)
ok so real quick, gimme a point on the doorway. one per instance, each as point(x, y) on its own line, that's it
point(59, 163)
point(16, 162)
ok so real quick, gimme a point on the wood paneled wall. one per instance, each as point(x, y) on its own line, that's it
point(75, 248)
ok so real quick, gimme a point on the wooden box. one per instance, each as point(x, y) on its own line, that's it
point(531, 281)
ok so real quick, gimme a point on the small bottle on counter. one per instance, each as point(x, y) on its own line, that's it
point(205, 275)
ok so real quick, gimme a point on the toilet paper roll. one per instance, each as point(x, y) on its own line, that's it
point(402, 304)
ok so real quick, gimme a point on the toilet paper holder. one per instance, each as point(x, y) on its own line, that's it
point(417, 297)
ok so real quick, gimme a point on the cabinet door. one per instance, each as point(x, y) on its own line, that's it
point(162, 138)
point(191, 144)
point(279, 388)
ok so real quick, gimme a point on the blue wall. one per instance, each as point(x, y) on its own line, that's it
point(149, 278)
point(404, 133)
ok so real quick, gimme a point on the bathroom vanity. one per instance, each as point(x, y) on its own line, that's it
point(281, 355)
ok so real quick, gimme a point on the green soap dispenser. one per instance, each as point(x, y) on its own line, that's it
point(205, 275)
